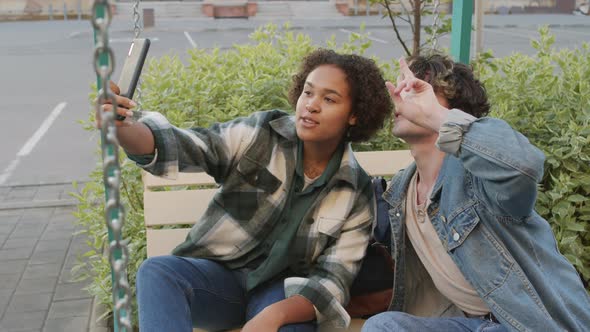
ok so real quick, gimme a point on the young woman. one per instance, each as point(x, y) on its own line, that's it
point(283, 238)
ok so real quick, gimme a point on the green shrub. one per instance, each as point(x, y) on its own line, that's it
point(547, 98)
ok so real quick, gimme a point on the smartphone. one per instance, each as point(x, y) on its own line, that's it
point(132, 68)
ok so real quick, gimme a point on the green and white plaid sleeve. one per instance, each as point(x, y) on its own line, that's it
point(211, 150)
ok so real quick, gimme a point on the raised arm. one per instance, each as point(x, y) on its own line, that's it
point(505, 165)
point(163, 149)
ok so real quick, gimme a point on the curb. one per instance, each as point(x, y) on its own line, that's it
point(96, 324)
point(37, 204)
point(57, 200)
point(302, 26)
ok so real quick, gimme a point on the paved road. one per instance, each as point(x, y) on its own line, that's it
point(46, 73)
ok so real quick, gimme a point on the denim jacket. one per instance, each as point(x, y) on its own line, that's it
point(482, 208)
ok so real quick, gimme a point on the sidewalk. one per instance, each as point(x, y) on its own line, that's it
point(37, 251)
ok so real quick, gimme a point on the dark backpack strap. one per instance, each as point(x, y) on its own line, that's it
point(376, 272)
point(382, 230)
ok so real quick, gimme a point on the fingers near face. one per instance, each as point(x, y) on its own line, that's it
point(395, 97)
point(390, 88)
point(405, 69)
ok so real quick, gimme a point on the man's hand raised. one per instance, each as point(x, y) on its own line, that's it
point(415, 100)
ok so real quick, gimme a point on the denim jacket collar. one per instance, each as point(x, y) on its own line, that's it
point(396, 197)
point(393, 195)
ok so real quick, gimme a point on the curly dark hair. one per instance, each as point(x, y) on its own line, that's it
point(455, 81)
point(371, 103)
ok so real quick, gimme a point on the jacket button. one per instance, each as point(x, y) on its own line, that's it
point(443, 219)
point(310, 221)
point(397, 214)
point(456, 236)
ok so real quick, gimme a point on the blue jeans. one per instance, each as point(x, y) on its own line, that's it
point(179, 293)
point(402, 322)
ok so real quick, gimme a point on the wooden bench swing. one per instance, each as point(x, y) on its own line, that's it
point(184, 207)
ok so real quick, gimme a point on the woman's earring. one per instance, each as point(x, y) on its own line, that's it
point(348, 132)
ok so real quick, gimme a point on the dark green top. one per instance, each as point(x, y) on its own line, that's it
point(274, 256)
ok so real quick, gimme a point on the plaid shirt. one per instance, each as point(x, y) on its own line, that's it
point(254, 159)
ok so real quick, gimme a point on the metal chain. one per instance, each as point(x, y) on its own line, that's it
point(137, 29)
point(137, 26)
point(114, 213)
point(435, 24)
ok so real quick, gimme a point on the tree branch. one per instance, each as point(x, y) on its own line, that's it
point(391, 17)
point(417, 25)
point(407, 12)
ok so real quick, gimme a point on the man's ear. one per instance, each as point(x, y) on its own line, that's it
point(352, 120)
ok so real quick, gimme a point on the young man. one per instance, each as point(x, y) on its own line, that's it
point(471, 253)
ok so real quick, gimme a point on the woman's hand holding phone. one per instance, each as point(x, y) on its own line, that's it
point(124, 107)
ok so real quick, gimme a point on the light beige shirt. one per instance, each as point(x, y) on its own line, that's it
point(445, 274)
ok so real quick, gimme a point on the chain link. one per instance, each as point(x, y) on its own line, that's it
point(137, 24)
point(435, 24)
point(114, 213)
point(137, 29)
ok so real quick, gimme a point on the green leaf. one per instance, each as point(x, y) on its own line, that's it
point(577, 227)
point(576, 198)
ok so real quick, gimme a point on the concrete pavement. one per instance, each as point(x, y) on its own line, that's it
point(37, 242)
point(38, 249)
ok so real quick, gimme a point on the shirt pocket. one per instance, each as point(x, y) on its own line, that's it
point(461, 226)
point(330, 226)
point(478, 253)
point(242, 195)
point(328, 232)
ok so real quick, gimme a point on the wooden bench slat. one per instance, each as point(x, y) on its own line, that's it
point(383, 163)
point(162, 241)
point(184, 179)
point(175, 207)
point(376, 163)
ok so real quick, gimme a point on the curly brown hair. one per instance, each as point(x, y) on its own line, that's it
point(371, 103)
point(455, 81)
